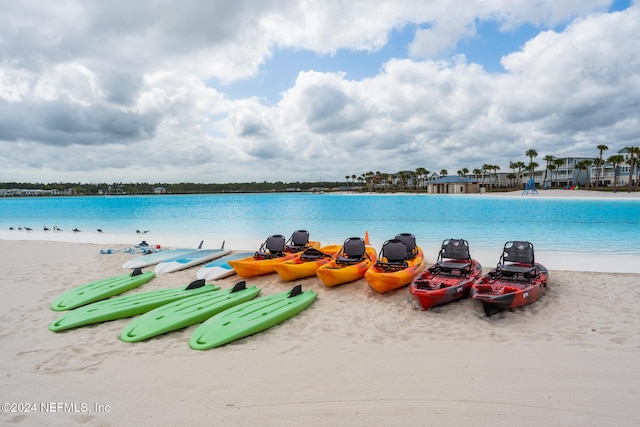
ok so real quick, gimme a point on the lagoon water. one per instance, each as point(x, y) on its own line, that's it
point(551, 224)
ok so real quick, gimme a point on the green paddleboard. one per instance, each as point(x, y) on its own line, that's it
point(101, 289)
point(251, 317)
point(127, 306)
point(187, 312)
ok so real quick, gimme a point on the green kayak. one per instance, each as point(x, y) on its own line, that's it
point(187, 312)
point(251, 317)
point(101, 289)
point(127, 306)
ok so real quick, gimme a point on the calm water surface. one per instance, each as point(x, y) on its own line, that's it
point(574, 225)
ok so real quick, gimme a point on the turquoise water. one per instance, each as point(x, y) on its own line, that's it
point(574, 225)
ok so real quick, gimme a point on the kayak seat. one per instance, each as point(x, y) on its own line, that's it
point(393, 255)
point(273, 247)
point(517, 260)
point(353, 251)
point(298, 241)
point(451, 253)
point(409, 240)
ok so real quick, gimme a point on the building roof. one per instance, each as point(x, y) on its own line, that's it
point(454, 180)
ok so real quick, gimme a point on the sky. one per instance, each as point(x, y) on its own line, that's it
point(219, 91)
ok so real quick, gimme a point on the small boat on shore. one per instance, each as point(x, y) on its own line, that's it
point(306, 264)
point(450, 278)
point(274, 250)
point(399, 262)
point(517, 280)
point(349, 264)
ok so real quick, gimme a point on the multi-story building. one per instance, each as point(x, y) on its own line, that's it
point(620, 174)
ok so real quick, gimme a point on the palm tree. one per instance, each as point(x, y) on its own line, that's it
point(443, 172)
point(485, 168)
point(531, 153)
point(422, 175)
point(633, 153)
point(513, 166)
point(616, 160)
point(551, 168)
point(476, 172)
point(582, 165)
point(598, 164)
point(558, 163)
point(520, 166)
point(549, 159)
point(495, 169)
point(602, 148)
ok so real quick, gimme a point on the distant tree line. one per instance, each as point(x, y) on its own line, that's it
point(76, 188)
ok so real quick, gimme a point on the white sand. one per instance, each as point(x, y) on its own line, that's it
point(354, 358)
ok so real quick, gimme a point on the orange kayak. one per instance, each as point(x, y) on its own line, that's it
point(336, 273)
point(383, 280)
point(258, 265)
point(254, 266)
point(306, 264)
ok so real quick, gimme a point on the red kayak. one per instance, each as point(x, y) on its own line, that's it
point(516, 281)
point(450, 278)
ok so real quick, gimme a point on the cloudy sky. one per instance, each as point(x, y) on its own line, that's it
point(277, 90)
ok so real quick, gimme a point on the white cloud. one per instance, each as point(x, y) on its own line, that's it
point(130, 91)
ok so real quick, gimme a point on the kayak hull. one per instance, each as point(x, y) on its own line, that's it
point(250, 318)
point(498, 292)
point(189, 260)
point(99, 290)
point(299, 268)
point(334, 273)
point(220, 268)
point(436, 287)
point(383, 280)
point(124, 306)
point(252, 266)
point(183, 313)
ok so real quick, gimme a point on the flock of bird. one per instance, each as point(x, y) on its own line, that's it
point(75, 230)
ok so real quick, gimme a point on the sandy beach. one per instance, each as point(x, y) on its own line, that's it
point(354, 358)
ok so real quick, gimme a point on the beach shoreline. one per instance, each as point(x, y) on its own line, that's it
point(353, 358)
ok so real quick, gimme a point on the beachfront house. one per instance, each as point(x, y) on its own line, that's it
point(453, 185)
point(565, 175)
point(608, 173)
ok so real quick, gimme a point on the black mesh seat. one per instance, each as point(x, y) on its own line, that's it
point(451, 253)
point(393, 255)
point(272, 247)
point(410, 241)
point(517, 259)
point(353, 251)
point(298, 241)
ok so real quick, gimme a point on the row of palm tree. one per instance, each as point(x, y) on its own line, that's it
point(400, 180)
point(583, 165)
